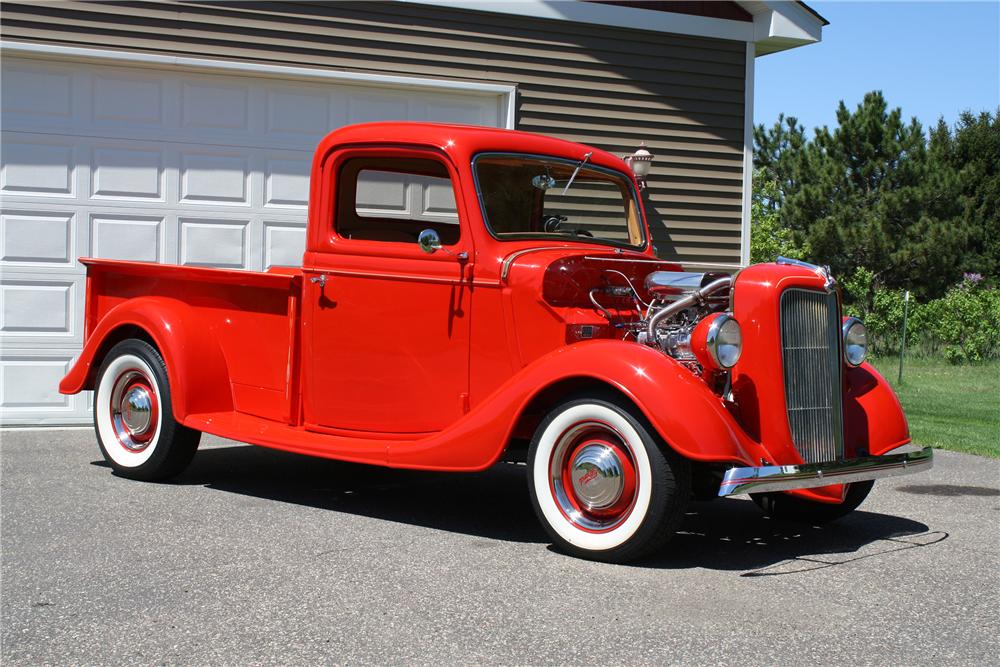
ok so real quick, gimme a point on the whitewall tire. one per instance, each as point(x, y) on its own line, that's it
point(602, 483)
point(136, 429)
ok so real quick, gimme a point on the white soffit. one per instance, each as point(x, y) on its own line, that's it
point(776, 25)
point(779, 26)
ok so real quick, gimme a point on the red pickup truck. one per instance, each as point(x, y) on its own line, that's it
point(470, 295)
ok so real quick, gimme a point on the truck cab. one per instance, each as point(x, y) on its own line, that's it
point(471, 295)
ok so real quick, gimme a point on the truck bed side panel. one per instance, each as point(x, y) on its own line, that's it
point(255, 322)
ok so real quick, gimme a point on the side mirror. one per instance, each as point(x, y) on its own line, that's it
point(429, 241)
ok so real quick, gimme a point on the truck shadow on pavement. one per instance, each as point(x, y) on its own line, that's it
point(733, 534)
point(729, 534)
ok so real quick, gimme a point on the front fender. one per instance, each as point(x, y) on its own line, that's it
point(874, 424)
point(687, 415)
point(873, 418)
point(691, 419)
point(196, 367)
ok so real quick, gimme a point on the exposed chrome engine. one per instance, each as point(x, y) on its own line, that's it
point(679, 300)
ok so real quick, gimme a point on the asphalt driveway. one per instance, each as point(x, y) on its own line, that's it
point(256, 556)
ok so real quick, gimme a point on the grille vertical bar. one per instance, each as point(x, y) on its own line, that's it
point(810, 349)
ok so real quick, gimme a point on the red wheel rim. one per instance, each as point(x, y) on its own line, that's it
point(134, 408)
point(593, 476)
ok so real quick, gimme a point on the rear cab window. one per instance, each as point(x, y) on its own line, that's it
point(393, 200)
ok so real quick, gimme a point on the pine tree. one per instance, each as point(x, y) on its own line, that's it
point(973, 153)
point(776, 150)
point(865, 195)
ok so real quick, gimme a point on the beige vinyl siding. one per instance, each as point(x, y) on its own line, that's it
point(608, 87)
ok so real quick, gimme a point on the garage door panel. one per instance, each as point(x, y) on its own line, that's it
point(128, 236)
point(284, 243)
point(131, 99)
point(371, 106)
point(457, 110)
point(298, 111)
point(287, 182)
point(32, 382)
point(218, 242)
point(128, 172)
point(214, 177)
point(38, 94)
point(29, 382)
point(207, 104)
point(41, 310)
point(436, 197)
point(42, 239)
point(43, 167)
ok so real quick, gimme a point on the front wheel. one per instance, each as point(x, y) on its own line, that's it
point(136, 429)
point(779, 505)
point(601, 484)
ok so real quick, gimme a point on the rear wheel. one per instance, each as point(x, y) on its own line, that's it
point(135, 425)
point(601, 484)
point(790, 508)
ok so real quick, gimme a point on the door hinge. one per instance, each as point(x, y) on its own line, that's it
point(319, 280)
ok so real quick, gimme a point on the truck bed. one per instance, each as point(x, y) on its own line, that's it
point(253, 315)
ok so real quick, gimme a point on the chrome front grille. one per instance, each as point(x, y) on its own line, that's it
point(810, 350)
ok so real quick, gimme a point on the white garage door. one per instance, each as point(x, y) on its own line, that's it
point(162, 165)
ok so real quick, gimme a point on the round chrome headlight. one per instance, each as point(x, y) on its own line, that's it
point(855, 341)
point(724, 341)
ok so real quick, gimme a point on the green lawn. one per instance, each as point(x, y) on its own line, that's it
point(952, 407)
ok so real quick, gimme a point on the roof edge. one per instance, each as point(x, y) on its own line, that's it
point(814, 13)
point(777, 25)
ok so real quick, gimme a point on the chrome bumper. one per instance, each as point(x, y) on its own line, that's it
point(786, 478)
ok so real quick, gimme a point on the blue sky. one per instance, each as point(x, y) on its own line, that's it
point(930, 58)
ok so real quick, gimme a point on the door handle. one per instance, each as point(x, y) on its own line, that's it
point(319, 280)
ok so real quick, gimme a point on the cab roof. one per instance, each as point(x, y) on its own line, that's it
point(462, 142)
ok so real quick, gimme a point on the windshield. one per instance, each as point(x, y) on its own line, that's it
point(526, 197)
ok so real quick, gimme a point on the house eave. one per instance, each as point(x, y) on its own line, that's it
point(776, 26)
point(782, 25)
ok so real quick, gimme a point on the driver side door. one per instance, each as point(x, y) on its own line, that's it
point(387, 330)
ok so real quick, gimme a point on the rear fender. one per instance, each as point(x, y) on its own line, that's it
point(196, 367)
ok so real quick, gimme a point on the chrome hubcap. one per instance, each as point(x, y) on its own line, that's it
point(137, 410)
point(134, 410)
point(597, 476)
point(593, 476)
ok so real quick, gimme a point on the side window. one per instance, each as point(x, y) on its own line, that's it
point(382, 199)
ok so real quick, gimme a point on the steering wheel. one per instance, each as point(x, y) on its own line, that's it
point(552, 223)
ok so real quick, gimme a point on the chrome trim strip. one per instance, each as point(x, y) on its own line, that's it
point(512, 257)
point(786, 478)
point(640, 260)
point(397, 276)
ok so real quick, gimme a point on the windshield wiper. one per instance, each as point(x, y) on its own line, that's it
point(577, 171)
